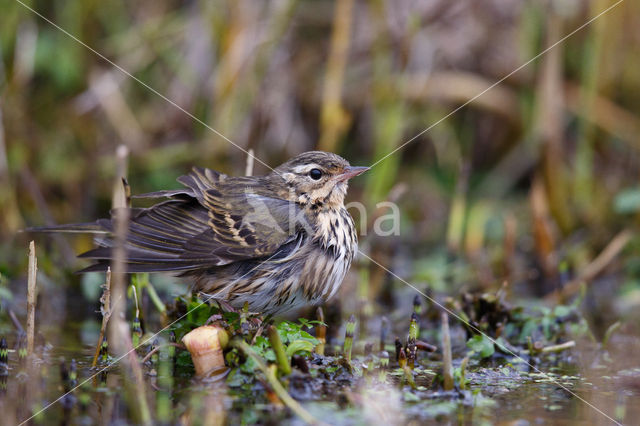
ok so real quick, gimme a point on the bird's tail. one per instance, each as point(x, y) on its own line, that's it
point(154, 241)
point(72, 228)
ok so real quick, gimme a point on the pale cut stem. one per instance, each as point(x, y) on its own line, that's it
point(31, 296)
point(250, 157)
point(447, 364)
point(105, 301)
point(559, 348)
point(119, 332)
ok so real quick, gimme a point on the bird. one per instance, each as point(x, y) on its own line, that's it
point(276, 242)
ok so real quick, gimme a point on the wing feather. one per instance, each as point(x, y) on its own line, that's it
point(215, 220)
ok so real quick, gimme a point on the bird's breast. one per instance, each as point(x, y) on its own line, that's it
point(334, 244)
point(335, 233)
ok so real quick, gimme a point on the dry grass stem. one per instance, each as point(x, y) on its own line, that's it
point(105, 310)
point(248, 171)
point(31, 296)
point(334, 119)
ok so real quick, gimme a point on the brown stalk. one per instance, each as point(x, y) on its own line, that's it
point(121, 224)
point(606, 114)
point(31, 296)
point(459, 87)
point(549, 127)
point(334, 119)
point(118, 331)
point(105, 310)
point(543, 230)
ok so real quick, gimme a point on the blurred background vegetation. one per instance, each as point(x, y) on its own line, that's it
point(528, 183)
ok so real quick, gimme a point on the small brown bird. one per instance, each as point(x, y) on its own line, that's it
point(277, 241)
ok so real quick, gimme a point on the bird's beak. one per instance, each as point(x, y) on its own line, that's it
point(350, 172)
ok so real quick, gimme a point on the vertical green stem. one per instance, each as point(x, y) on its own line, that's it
point(414, 327)
point(165, 383)
point(348, 337)
point(321, 332)
point(278, 348)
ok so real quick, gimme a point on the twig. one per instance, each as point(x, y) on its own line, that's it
point(270, 374)
point(559, 348)
point(594, 268)
point(105, 310)
point(249, 168)
point(31, 296)
point(424, 346)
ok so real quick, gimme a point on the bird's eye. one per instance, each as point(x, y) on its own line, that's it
point(315, 174)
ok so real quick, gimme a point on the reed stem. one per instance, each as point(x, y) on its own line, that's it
point(31, 296)
point(281, 356)
point(348, 337)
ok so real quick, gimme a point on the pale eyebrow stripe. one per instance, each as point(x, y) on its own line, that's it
point(306, 167)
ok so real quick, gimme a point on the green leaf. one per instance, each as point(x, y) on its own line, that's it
point(236, 379)
point(527, 330)
point(249, 366)
point(299, 345)
point(290, 332)
point(562, 311)
point(481, 345)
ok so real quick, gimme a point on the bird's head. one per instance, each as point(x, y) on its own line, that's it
point(316, 179)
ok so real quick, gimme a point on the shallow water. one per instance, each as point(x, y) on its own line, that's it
point(502, 390)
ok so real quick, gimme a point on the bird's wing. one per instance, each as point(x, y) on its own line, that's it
point(215, 220)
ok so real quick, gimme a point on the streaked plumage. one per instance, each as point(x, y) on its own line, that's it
point(277, 241)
